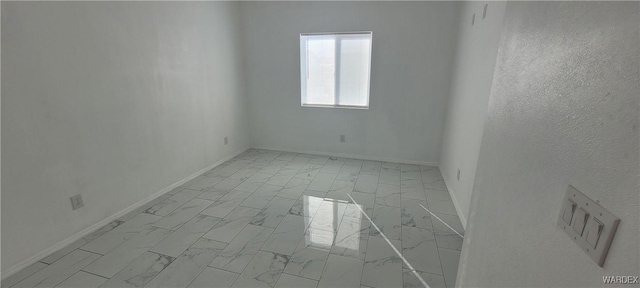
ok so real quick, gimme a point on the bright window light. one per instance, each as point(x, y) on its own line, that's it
point(335, 69)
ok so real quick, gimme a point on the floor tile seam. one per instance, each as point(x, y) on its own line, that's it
point(65, 279)
point(234, 237)
point(437, 248)
point(430, 273)
point(227, 270)
point(375, 203)
point(303, 233)
point(432, 231)
point(94, 274)
point(265, 251)
point(148, 250)
point(274, 228)
point(316, 280)
point(194, 278)
point(425, 188)
point(176, 258)
point(24, 278)
point(424, 283)
point(443, 222)
point(85, 250)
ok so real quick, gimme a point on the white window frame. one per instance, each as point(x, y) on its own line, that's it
point(304, 69)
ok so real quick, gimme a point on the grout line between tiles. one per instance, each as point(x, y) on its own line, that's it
point(438, 251)
point(318, 281)
point(445, 223)
point(334, 239)
point(406, 262)
point(452, 250)
point(65, 279)
point(91, 273)
point(91, 251)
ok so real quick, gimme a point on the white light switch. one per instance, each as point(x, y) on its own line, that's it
point(581, 219)
point(592, 233)
point(588, 224)
point(569, 208)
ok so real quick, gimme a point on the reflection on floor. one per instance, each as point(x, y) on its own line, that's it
point(274, 219)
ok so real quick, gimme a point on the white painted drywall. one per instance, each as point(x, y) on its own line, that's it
point(563, 110)
point(413, 47)
point(477, 49)
point(113, 100)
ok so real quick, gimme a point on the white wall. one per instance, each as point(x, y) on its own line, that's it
point(114, 100)
point(413, 47)
point(477, 49)
point(563, 110)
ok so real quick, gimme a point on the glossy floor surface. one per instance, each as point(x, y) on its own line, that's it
point(274, 219)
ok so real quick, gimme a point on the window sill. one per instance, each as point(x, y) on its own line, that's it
point(335, 106)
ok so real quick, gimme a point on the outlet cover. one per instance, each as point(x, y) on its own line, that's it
point(76, 202)
point(458, 174)
point(226, 140)
point(343, 138)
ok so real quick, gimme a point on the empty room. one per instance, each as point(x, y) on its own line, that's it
point(364, 144)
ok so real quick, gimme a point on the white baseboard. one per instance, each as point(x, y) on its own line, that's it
point(456, 204)
point(354, 156)
point(50, 250)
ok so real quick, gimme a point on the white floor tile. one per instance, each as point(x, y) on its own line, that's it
point(420, 249)
point(382, 266)
point(184, 269)
point(450, 259)
point(263, 271)
point(273, 219)
point(59, 271)
point(82, 279)
point(180, 240)
point(140, 271)
point(211, 276)
point(237, 255)
point(118, 258)
point(341, 271)
point(183, 214)
point(290, 281)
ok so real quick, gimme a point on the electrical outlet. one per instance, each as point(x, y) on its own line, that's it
point(343, 138)
point(226, 141)
point(458, 174)
point(76, 202)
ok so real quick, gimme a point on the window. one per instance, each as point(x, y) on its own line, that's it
point(335, 69)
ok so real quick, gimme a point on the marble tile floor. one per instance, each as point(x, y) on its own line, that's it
point(274, 219)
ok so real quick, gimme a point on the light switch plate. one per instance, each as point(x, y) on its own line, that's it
point(593, 209)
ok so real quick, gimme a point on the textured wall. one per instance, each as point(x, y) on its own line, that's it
point(563, 110)
point(114, 100)
point(476, 54)
point(413, 47)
